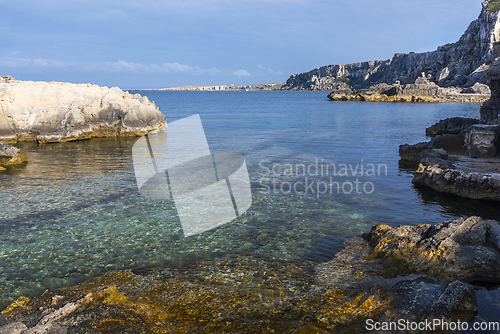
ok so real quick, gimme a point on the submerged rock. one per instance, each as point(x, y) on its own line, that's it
point(10, 155)
point(461, 249)
point(57, 112)
point(242, 294)
point(452, 174)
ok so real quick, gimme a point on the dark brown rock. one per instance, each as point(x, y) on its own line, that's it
point(453, 125)
point(409, 153)
point(481, 141)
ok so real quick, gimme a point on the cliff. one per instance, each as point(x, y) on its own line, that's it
point(459, 64)
point(56, 112)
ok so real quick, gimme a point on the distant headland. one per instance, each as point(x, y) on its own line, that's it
point(266, 86)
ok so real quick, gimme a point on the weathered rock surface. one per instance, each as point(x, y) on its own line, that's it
point(475, 185)
point(452, 174)
point(56, 112)
point(420, 91)
point(241, 294)
point(409, 153)
point(10, 155)
point(414, 297)
point(482, 141)
point(461, 249)
point(460, 64)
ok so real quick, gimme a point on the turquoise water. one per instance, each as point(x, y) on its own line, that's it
point(74, 211)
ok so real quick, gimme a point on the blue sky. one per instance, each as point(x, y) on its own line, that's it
point(153, 44)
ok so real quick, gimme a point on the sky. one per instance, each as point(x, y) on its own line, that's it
point(157, 44)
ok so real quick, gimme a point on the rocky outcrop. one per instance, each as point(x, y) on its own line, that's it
point(473, 171)
point(57, 112)
point(460, 64)
point(453, 180)
point(453, 125)
point(10, 155)
point(421, 91)
point(7, 79)
point(461, 249)
point(452, 174)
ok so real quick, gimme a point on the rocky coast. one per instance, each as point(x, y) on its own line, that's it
point(57, 112)
point(417, 273)
point(379, 277)
point(462, 157)
point(48, 112)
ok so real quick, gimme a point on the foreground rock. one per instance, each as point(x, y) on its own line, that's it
point(10, 155)
point(421, 91)
point(242, 294)
point(58, 112)
point(461, 249)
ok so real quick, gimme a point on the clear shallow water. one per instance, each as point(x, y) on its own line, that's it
point(74, 211)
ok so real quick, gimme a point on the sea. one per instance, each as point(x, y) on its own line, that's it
point(75, 212)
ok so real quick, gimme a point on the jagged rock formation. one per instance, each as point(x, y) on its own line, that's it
point(421, 91)
point(476, 184)
point(456, 64)
point(56, 112)
point(461, 249)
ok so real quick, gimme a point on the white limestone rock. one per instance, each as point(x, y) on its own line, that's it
point(57, 112)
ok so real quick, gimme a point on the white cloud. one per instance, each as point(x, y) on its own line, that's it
point(268, 69)
point(110, 66)
point(29, 62)
point(176, 67)
point(241, 73)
